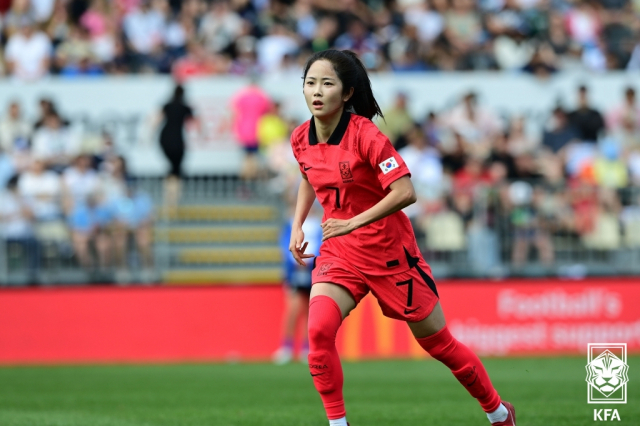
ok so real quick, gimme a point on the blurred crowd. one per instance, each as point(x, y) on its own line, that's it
point(492, 190)
point(495, 187)
point(497, 191)
point(64, 195)
point(205, 37)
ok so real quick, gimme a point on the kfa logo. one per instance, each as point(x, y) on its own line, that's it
point(345, 172)
point(607, 373)
point(324, 268)
point(606, 415)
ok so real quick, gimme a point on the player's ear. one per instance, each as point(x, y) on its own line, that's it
point(346, 97)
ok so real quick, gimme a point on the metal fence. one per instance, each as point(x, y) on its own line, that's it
point(203, 225)
point(534, 229)
point(53, 258)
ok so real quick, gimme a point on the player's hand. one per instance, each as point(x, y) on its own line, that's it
point(297, 247)
point(335, 227)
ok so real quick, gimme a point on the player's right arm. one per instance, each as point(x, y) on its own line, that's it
point(306, 197)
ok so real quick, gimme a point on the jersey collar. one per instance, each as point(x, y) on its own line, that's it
point(337, 134)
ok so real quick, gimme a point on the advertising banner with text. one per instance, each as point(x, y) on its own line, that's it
point(162, 324)
point(514, 317)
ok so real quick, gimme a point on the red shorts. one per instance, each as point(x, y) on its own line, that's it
point(407, 296)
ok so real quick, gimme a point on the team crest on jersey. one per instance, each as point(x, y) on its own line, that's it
point(388, 165)
point(345, 172)
point(324, 268)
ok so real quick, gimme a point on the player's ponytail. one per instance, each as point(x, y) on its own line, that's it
point(351, 73)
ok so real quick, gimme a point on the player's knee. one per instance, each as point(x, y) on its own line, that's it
point(320, 335)
point(442, 351)
point(440, 346)
point(445, 348)
point(322, 371)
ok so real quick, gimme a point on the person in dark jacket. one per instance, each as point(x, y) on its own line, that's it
point(176, 113)
point(587, 121)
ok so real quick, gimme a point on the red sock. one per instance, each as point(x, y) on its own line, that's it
point(465, 365)
point(324, 363)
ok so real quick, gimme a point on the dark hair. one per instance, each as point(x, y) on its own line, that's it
point(351, 73)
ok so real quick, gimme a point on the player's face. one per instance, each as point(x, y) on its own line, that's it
point(323, 91)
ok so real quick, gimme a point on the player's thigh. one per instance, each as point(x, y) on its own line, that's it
point(339, 280)
point(339, 294)
point(298, 299)
point(430, 325)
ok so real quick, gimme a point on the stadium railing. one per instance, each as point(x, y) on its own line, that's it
point(222, 230)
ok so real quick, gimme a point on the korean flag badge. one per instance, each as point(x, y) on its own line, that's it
point(388, 165)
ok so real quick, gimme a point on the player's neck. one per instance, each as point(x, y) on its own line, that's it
point(326, 126)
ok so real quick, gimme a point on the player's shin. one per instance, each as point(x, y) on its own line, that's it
point(465, 366)
point(324, 363)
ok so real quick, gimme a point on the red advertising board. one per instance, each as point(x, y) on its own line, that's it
point(545, 317)
point(524, 317)
point(137, 324)
point(243, 323)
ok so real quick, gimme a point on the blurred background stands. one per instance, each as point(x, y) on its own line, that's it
point(500, 194)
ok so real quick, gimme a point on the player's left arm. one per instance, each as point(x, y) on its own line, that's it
point(401, 195)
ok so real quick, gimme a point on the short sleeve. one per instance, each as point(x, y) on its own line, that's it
point(384, 159)
point(296, 151)
point(302, 170)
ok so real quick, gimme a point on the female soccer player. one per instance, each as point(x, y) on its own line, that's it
point(368, 243)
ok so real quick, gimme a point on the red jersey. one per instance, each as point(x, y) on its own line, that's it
point(350, 174)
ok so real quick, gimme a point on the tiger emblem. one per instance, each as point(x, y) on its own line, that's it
point(607, 373)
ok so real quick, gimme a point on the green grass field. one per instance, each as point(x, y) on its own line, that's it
point(546, 392)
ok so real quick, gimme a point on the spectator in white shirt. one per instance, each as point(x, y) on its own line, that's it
point(15, 215)
point(477, 125)
point(113, 179)
point(426, 170)
point(144, 28)
point(273, 47)
point(87, 215)
point(14, 130)
point(428, 21)
point(28, 52)
point(42, 9)
point(42, 191)
point(623, 121)
point(54, 143)
point(220, 27)
point(80, 180)
point(16, 224)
